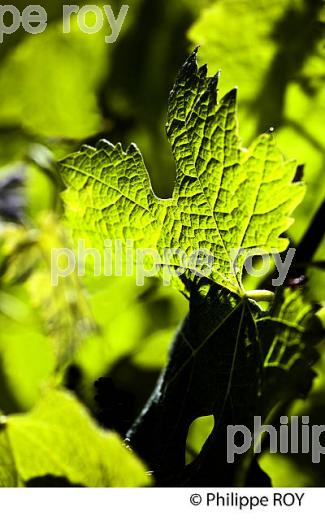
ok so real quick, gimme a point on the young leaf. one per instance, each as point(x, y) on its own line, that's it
point(59, 438)
point(225, 198)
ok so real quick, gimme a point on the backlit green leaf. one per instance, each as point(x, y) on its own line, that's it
point(221, 200)
point(59, 438)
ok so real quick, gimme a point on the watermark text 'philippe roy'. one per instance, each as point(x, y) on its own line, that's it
point(294, 435)
point(119, 258)
point(90, 19)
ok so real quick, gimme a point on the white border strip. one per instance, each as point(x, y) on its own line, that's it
point(155, 503)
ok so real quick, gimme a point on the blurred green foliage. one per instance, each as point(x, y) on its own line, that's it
point(51, 431)
point(57, 91)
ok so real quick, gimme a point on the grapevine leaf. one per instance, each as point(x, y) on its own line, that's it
point(214, 368)
point(289, 333)
point(221, 201)
point(233, 361)
point(59, 438)
point(226, 199)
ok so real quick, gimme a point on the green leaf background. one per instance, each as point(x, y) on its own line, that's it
point(60, 91)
